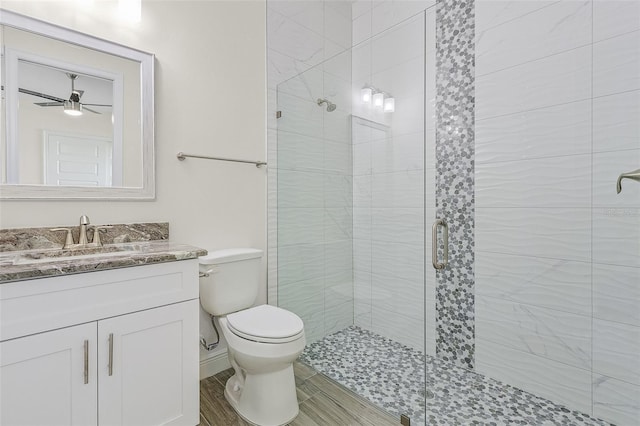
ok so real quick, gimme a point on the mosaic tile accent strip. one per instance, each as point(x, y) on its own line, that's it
point(392, 376)
point(455, 199)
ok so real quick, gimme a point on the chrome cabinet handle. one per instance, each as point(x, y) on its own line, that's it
point(634, 175)
point(111, 354)
point(86, 362)
point(434, 244)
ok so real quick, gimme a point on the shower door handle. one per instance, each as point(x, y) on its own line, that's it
point(434, 244)
point(634, 175)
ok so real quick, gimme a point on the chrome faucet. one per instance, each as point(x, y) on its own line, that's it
point(82, 239)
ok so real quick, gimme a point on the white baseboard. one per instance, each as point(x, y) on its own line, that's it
point(213, 365)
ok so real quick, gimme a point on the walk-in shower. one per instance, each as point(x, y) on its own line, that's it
point(512, 123)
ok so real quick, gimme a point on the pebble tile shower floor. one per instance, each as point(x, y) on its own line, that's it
point(391, 376)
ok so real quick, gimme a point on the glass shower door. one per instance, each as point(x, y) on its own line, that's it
point(351, 216)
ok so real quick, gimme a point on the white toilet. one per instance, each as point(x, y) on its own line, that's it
point(263, 341)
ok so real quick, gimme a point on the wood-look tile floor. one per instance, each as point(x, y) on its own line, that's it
point(322, 403)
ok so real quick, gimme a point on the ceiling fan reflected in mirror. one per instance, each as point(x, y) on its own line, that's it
point(72, 106)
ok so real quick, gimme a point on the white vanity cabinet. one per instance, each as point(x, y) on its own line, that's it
point(42, 379)
point(115, 347)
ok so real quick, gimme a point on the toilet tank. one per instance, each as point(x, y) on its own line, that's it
point(231, 281)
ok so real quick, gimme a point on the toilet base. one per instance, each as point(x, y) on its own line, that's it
point(275, 407)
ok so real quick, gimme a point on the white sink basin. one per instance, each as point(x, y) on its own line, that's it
point(49, 256)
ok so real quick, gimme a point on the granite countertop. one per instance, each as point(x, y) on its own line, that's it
point(20, 265)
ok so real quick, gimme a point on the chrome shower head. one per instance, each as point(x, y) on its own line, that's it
point(330, 105)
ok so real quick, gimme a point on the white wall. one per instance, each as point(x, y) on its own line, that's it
point(210, 56)
point(557, 265)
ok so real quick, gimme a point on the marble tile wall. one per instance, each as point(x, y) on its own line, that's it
point(557, 107)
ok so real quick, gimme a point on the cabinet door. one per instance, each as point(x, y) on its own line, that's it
point(151, 376)
point(43, 379)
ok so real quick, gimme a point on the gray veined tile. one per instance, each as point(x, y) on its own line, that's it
point(337, 190)
point(292, 39)
point(337, 25)
point(362, 163)
point(362, 255)
point(545, 182)
point(300, 189)
point(397, 295)
point(397, 45)
point(362, 223)
point(398, 225)
point(300, 226)
point(309, 13)
point(338, 317)
point(305, 299)
point(337, 158)
point(491, 13)
point(401, 260)
point(306, 85)
point(280, 68)
point(615, 350)
point(552, 283)
point(403, 329)
point(337, 295)
point(543, 377)
point(398, 189)
point(300, 262)
point(361, 64)
point(554, 80)
point(553, 131)
point(338, 224)
point(561, 336)
point(399, 153)
point(362, 191)
point(561, 233)
point(299, 152)
point(340, 66)
point(615, 122)
point(338, 262)
point(360, 7)
point(299, 116)
point(560, 27)
point(616, 294)
point(402, 80)
point(616, 400)
point(615, 17)
point(616, 64)
point(616, 236)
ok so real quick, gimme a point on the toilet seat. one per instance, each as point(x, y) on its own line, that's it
point(266, 324)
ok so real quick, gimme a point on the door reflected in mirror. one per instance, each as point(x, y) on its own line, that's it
point(76, 113)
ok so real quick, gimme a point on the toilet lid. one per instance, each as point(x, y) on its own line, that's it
point(266, 323)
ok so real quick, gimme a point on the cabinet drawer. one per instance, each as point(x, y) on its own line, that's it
point(38, 305)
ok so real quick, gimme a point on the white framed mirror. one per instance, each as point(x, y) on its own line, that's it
point(77, 114)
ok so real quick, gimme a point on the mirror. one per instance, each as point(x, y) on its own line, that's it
point(77, 114)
